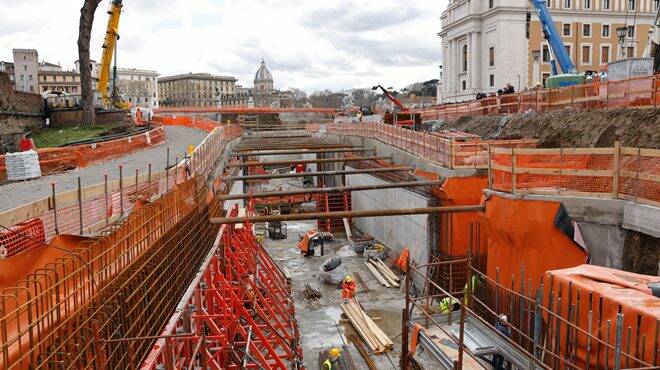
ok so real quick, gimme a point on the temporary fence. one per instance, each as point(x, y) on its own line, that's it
point(53, 160)
point(196, 122)
point(617, 172)
point(60, 296)
point(237, 314)
point(448, 151)
point(241, 110)
point(563, 324)
point(635, 92)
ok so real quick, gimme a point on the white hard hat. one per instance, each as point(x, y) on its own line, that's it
point(503, 318)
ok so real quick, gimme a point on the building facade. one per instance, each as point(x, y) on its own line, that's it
point(194, 90)
point(26, 70)
point(137, 86)
point(487, 44)
point(238, 98)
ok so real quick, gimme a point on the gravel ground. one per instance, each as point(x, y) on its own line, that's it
point(16, 194)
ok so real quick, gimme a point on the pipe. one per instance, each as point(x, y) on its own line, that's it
point(321, 173)
point(305, 161)
point(301, 151)
point(332, 190)
point(348, 214)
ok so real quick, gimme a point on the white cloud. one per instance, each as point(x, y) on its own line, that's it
point(306, 43)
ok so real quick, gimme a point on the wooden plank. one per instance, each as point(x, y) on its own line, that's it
point(642, 175)
point(377, 275)
point(391, 281)
point(361, 282)
point(383, 339)
point(644, 152)
point(361, 327)
point(359, 344)
point(388, 270)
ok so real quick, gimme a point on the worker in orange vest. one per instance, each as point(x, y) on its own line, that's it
point(348, 288)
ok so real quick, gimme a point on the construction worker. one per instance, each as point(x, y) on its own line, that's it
point(331, 363)
point(348, 288)
point(449, 304)
point(469, 288)
point(503, 327)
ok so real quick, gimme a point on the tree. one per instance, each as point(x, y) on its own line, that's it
point(84, 36)
point(299, 97)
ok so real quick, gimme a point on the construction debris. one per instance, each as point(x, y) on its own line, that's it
point(311, 293)
point(372, 334)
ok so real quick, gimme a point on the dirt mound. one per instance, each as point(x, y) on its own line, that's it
point(569, 128)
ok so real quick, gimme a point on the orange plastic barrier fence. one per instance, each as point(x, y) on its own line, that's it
point(199, 123)
point(635, 92)
point(618, 172)
point(597, 299)
point(53, 160)
point(448, 151)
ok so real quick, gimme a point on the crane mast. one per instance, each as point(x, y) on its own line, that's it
point(109, 45)
point(553, 37)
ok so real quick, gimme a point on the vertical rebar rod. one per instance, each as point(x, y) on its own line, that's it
point(52, 186)
point(121, 191)
point(80, 206)
point(149, 182)
point(105, 197)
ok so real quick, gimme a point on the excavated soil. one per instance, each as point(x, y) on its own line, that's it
point(568, 128)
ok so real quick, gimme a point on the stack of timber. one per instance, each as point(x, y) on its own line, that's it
point(383, 273)
point(372, 334)
point(311, 293)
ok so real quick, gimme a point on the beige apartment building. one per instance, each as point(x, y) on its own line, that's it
point(138, 87)
point(589, 31)
point(194, 90)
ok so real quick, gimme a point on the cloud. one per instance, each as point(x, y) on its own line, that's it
point(307, 44)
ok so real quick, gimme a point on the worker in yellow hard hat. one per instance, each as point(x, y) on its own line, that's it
point(333, 357)
point(348, 288)
point(449, 304)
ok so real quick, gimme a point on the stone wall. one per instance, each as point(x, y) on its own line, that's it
point(19, 112)
point(73, 117)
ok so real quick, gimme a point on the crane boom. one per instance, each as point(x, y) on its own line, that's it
point(553, 37)
point(111, 36)
point(392, 98)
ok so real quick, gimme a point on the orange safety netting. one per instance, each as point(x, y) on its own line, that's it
point(601, 293)
point(635, 92)
point(54, 160)
point(199, 123)
point(521, 232)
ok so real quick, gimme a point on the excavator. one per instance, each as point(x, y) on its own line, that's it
point(405, 117)
point(109, 46)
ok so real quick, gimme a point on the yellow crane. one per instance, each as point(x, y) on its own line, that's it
point(109, 46)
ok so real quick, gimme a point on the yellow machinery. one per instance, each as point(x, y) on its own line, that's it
point(109, 46)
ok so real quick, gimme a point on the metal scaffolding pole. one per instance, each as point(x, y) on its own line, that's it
point(305, 161)
point(332, 190)
point(349, 214)
point(314, 145)
point(321, 173)
point(301, 151)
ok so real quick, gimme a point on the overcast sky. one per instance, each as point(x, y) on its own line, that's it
point(308, 44)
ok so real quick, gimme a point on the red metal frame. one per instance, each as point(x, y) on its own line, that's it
point(241, 300)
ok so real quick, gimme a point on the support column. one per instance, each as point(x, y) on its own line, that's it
point(475, 62)
point(453, 71)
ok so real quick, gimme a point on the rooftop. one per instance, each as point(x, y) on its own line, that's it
point(197, 76)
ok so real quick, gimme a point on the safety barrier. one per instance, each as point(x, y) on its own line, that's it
point(53, 160)
point(58, 299)
point(94, 208)
point(635, 92)
point(199, 123)
point(617, 172)
point(445, 149)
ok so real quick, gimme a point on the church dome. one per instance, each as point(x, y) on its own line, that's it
point(263, 74)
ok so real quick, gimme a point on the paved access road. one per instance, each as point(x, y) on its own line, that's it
point(16, 194)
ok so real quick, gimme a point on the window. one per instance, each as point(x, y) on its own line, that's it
point(630, 52)
point(605, 54)
point(491, 80)
point(465, 58)
point(631, 4)
point(567, 29)
point(606, 30)
point(586, 54)
point(29, 77)
point(463, 84)
point(547, 3)
point(567, 3)
point(586, 30)
point(22, 77)
point(568, 49)
point(490, 4)
point(491, 56)
point(31, 88)
point(606, 4)
point(587, 4)
point(655, 4)
point(544, 77)
point(631, 31)
point(546, 54)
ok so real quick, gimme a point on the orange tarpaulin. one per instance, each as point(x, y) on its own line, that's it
point(606, 292)
point(521, 231)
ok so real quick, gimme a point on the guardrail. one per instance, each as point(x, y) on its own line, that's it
point(616, 173)
point(635, 92)
point(462, 152)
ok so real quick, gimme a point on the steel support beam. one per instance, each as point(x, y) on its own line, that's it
point(305, 161)
point(394, 185)
point(308, 145)
point(321, 173)
point(301, 151)
point(349, 214)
